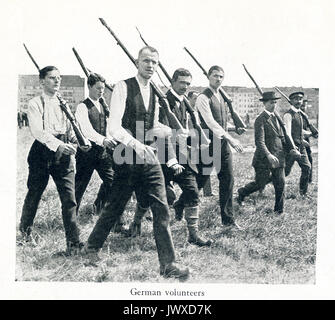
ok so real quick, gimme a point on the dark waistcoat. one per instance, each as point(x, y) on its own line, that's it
point(218, 108)
point(179, 111)
point(97, 119)
point(136, 111)
point(296, 127)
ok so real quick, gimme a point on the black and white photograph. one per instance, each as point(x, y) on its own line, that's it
point(168, 150)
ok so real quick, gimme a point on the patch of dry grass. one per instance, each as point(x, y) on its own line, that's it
point(272, 249)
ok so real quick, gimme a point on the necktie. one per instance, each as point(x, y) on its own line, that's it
point(274, 120)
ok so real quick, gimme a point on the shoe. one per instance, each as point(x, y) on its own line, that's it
point(74, 249)
point(278, 213)
point(240, 198)
point(179, 208)
point(232, 224)
point(91, 254)
point(199, 242)
point(305, 197)
point(172, 270)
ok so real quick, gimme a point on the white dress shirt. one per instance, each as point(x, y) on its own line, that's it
point(85, 123)
point(118, 105)
point(202, 105)
point(45, 122)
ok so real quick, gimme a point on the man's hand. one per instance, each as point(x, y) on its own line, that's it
point(109, 143)
point(295, 153)
point(236, 144)
point(240, 130)
point(273, 160)
point(305, 143)
point(177, 169)
point(146, 153)
point(66, 149)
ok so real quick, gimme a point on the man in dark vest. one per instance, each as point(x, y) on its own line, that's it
point(92, 115)
point(135, 113)
point(269, 156)
point(207, 189)
point(52, 153)
point(294, 126)
point(184, 175)
point(214, 117)
point(308, 147)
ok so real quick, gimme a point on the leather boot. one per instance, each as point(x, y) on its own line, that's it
point(192, 218)
point(135, 227)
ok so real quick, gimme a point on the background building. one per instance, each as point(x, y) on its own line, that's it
point(246, 101)
point(72, 90)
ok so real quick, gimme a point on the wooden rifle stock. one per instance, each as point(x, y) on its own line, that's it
point(238, 122)
point(174, 122)
point(82, 141)
point(191, 111)
point(314, 130)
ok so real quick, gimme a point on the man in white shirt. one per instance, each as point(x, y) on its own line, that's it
point(92, 115)
point(135, 113)
point(214, 117)
point(52, 153)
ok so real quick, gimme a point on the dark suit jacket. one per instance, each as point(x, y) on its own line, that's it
point(268, 139)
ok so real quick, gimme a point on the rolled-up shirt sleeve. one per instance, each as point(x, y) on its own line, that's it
point(86, 126)
point(287, 119)
point(35, 119)
point(203, 107)
point(114, 122)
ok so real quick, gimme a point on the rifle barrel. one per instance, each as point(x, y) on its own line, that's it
point(253, 80)
point(32, 59)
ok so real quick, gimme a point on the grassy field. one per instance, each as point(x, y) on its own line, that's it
point(271, 250)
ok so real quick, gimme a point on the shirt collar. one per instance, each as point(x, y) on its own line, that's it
point(294, 109)
point(94, 101)
point(48, 97)
point(142, 85)
point(179, 97)
point(269, 113)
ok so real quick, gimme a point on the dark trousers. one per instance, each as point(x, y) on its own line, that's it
point(262, 177)
point(86, 163)
point(226, 181)
point(305, 168)
point(187, 182)
point(41, 165)
point(148, 182)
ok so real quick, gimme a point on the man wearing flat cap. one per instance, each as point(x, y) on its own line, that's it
point(294, 122)
point(308, 148)
point(269, 156)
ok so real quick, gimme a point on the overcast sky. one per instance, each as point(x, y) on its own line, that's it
point(281, 42)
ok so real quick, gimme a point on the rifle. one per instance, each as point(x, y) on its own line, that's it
point(288, 139)
point(82, 140)
point(314, 130)
point(174, 122)
point(189, 108)
point(87, 73)
point(238, 122)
